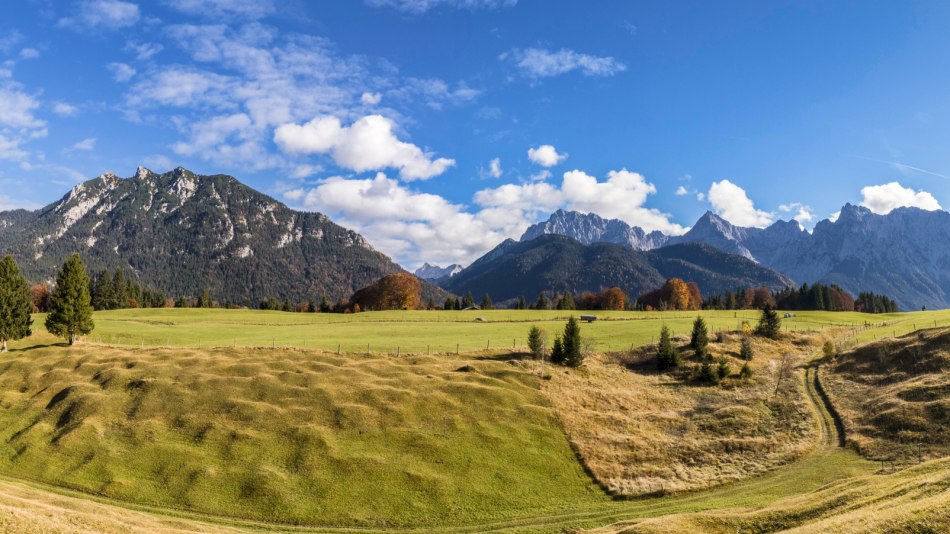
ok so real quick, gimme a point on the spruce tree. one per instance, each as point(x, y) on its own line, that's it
point(487, 303)
point(103, 297)
point(16, 302)
point(708, 374)
point(745, 349)
point(770, 325)
point(536, 342)
point(522, 305)
point(566, 302)
point(542, 303)
point(120, 291)
point(699, 341)
point(746, 372)
point(70, 304)
point(723, 369)
point(557, 351)
point(468, 300)
point(573, 356)
point(667, 356)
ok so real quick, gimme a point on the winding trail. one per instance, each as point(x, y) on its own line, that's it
point(827, 462)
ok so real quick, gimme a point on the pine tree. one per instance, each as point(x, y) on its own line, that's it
point(667, 356)
point(566, 302)
point(325, 305)
point(573, 356)
point(103, 296)
point(16, 302)
point(522, 305)
point(724, 370)
point(487, 303)
point(536, 342)
point(770, 325)
point(746, 372)
point(120, 290)
point(70, 304)
point(699, 341)
point(708, 374)
point(542, 303)
point(745, 349)
point(468, 300)
point(557, 351)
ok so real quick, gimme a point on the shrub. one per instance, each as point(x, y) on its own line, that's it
point(828, 349)
point(745, 350)
point(667, 356)
point(746, 372)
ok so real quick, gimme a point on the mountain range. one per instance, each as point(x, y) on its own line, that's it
point(183, 233)
point(904, 254)
point(435, 273)
point(555, 262)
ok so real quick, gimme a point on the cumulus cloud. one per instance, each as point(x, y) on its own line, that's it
point(18, 123)
point(546, 156)
point(121, 72)
point(421, 6)
point(733, 204)
point(802, 213)
point(102, 14)
point(370, 99)
point(541, 175)
point(64, 109)
point(367, 144)
point(493, 170)
point(541, 63)
point(882, 199)
point(29, 53)
point(681, 191)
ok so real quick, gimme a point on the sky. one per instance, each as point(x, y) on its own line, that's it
point(438, 128)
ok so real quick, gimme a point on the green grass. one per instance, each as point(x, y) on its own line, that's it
point(443, 332)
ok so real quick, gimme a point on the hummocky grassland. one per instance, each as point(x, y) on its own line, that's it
point(109, 437)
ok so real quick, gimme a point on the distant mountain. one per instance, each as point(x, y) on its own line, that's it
point(588, 228)
point(904, 254)
point(435, 273)
point(183, 233)
point(554, 263)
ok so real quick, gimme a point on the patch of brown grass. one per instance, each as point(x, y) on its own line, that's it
point(643, 432)
point(894, 395)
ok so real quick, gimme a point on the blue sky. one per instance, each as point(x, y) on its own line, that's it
point(437, 128)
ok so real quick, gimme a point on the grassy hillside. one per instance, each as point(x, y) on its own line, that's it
point(894, 395)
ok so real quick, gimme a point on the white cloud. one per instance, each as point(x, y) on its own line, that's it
point(8, 203)
point(421, 6)
point(700, 196)
point(86, 144)
point(732, 204)
point(158, 162)
point(546, 156)
point(541, 63)
point(493, 170)
point(29, 53)
point(681, 191)
point(121, 72)
point(143, 51)
point(803, 213)
point(882, 199)
point(371, 99)
point(243, 9)
point(834, 216)
point(18, 124)
point(367, 144)
point(541, 175)
point(65, 110)
point(102, 14)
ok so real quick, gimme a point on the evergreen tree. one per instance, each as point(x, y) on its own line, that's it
point(770, 325)
point(566, 302)
point(542, 303)
point(708, 374)
point(468, 300)
point(103, 296)
point(667, 356)
point(557, 351)
point(699, 341)
point(746, 372)
point(70, 304)
point(536, 342)
point(723, 369)
point(325, 305)
point(487, 303)
point(430, 305)
point(120, 290)
point(311, 306)
point(573, 356)
point(16, 302)
point(449, 304)
point(745, 349)
point(522, 305)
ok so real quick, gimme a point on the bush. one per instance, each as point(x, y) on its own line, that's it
point(828, 349)
point(746, 372)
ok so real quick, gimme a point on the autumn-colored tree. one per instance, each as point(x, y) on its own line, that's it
point(695, 297)
point(613, 299)
point(679, 294)
point(399, 291)
point(40, 296)
point(762, 297)
point(588, 301)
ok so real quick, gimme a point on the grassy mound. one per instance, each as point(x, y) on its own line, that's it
point(643, 432)
point(894, 395)
point(288, 436)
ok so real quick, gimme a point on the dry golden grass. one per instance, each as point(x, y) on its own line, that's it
point(912, 500)
point(894, 395)
point(642, 432)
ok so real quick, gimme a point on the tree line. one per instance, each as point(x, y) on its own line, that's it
point(815, 297)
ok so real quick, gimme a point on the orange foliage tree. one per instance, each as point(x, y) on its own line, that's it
point(674, 295)
point(399, 291)
point(613, 299)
